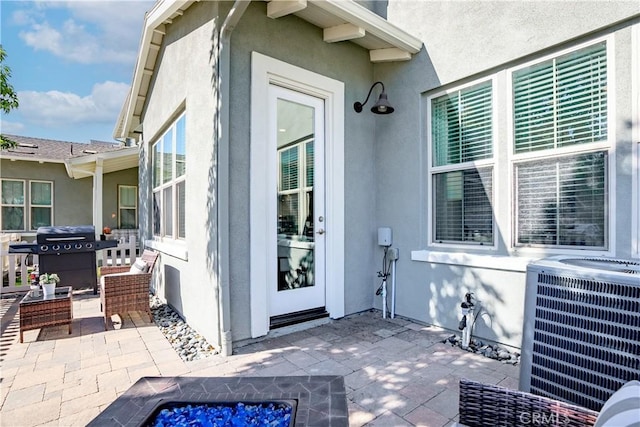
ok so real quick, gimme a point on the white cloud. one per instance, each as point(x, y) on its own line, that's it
point(11, 127)
point(55, 108)
point(92, 32)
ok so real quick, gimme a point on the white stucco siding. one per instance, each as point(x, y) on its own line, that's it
point(471, 41)
point(185, 82)
point(466, 37)
point(299, 43)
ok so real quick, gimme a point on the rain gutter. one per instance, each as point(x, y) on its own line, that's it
point(222, 147)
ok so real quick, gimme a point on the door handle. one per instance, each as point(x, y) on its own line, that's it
point(320, 231)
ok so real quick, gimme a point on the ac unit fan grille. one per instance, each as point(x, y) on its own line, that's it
point(586, 338)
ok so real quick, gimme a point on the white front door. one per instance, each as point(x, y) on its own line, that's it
point(296, 132)
point(310, 109)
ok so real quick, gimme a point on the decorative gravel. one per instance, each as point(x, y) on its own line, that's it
point(240, 414)
point(492, 351)
point(189, 344)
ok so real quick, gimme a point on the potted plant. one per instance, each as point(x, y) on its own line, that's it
point(48, 281)
point(105, 232)
point(33, 284)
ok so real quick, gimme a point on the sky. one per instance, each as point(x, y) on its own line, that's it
point(71, 64)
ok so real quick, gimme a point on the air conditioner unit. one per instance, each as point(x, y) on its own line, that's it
point(581, 334)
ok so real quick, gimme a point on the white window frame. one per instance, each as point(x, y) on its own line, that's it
point(172, 184)
point(303, 189)
point(606, 146)
point(635, 153)
point(121, 207)
point(24, 205)
point(490, 162)
point(31, 205)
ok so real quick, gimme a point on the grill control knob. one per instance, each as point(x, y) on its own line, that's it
point(78, 246)
point(55, 247)
point(67, 247)
point(89, 245)
point(44, 248)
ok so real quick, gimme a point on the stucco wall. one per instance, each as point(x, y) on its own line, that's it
point(72, 198)
point(189, 280)
point(184, 81)
point(463, 41)
point(299, 43)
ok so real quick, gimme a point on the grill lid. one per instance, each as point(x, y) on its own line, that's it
point(66, 233)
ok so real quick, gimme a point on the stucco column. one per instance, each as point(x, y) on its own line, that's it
point(97, 196)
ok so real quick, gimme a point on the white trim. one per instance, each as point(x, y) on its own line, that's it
point(373, 23)
point(490, 162)
point(489, 262)
point(176, 249)
point(635, 137)
point(51, 206)
point(266, 71)
point(608, 146)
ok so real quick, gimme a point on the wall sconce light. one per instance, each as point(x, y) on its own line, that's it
point(380, 107)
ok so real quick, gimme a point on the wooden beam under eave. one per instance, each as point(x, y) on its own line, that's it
point(161, 29)
point(389, 55)
point(279, 8)
point(343, 32)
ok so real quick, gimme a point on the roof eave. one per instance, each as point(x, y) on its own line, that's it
point(372, 23)
point(403, 44)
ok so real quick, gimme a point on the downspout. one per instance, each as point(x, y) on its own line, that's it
point(224, 73)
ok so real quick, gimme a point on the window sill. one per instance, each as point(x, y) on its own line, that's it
point(491, 262)
point(172, 248)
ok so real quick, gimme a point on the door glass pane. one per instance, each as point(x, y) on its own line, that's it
point(295, 124)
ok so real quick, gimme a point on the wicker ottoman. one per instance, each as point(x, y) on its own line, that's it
point(38, 312)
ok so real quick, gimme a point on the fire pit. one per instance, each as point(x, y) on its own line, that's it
point(315, 400)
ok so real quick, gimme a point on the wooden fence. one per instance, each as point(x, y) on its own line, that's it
point(15, 267)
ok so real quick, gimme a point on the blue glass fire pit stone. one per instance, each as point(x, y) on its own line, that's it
point(316, 400)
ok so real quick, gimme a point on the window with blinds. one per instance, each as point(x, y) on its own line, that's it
point(127, 206)
point(12, 199)
point(463, 211)
point(462, 171)
point(560, 198)
point(295, 186)
point(461, 126)
point(562, 201)
point(41, 204)
point(169, 182)
point(562, 101)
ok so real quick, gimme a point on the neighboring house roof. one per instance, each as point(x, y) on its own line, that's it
point(53, 151)
point(341, 20)
point(79, 159)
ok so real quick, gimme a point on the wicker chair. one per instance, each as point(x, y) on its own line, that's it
point(122, 291)
point(483, 405)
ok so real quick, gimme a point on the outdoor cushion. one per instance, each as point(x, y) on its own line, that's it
point(140, 266)
point(622, 409)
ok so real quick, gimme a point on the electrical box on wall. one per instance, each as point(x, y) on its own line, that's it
point(384, 236)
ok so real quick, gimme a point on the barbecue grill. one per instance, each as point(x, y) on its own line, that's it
point(69, 251)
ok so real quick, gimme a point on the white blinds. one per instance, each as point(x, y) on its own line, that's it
point(463, 211)
point(289, 169)
point(562, 101)
point(461, 125)
point(562, 201)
